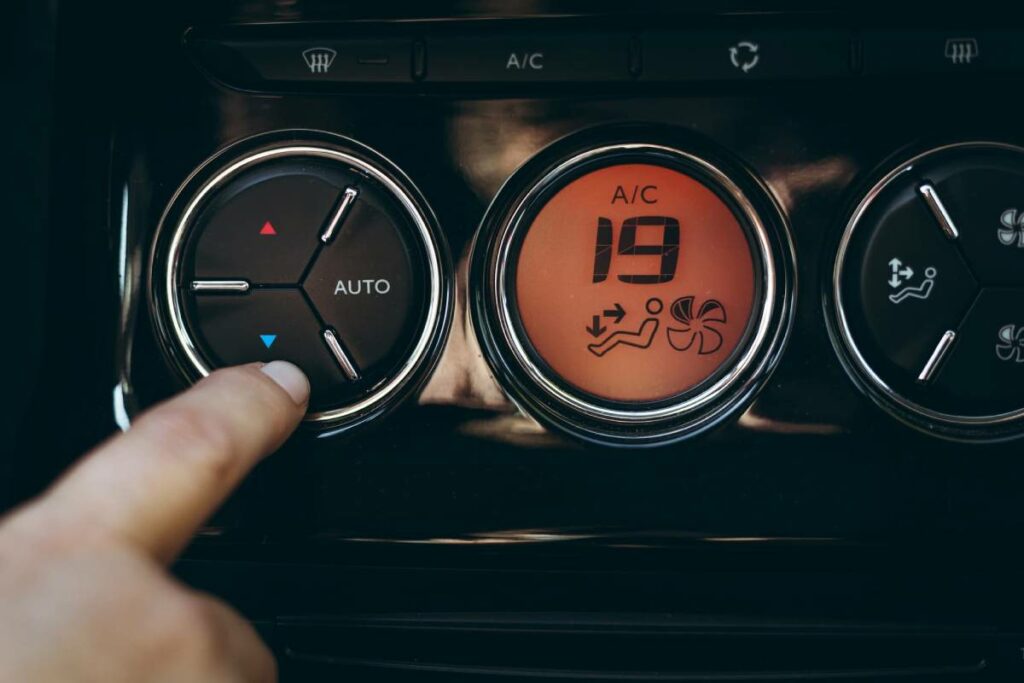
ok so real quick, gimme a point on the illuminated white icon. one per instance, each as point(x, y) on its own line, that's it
point(899, 273)
point(365, 287)
point(319, 59)
point(1011, 228)
point(744, 55)
point(900, 276)
point(962, 50)
point(527, 61)
point(1010, 346)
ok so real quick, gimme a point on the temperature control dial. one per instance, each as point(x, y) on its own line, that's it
point(631, 293)
point(322, 254)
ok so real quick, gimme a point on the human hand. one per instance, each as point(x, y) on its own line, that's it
point(84, 590)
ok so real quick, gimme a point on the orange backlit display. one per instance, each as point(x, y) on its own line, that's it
point(635, 283)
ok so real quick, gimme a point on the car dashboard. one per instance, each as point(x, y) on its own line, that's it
point(659, 342)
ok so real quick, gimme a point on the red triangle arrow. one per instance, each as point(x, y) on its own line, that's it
point(268, 229)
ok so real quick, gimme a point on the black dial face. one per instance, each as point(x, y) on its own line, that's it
point(311, 255)
point(931, 285)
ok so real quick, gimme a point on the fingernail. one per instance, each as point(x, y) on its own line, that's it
point(289, 378)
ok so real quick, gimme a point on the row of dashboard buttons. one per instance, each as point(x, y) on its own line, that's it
point(315, 250)
point(608, 57)
point(320, 253)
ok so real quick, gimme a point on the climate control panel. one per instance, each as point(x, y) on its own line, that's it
point(318, 252)
point(628, 286)
point(929, 287)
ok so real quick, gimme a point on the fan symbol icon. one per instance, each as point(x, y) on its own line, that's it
point(699, 330)
point(1011, 228)
point(1010, 346)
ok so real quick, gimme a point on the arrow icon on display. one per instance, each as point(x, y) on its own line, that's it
point(898, 272)
point(618, 313)
point(268, 229)
point(268, 339)
point(595, 328)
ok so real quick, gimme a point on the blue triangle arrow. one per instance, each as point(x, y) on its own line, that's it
point(268, 339)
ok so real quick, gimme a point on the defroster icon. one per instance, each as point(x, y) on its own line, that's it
point(962, 50)
point(319, 59)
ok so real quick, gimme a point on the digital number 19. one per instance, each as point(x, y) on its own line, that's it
point(668, 249)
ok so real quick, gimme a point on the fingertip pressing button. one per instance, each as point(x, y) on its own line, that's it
point(268, 325)
point(289, 377)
